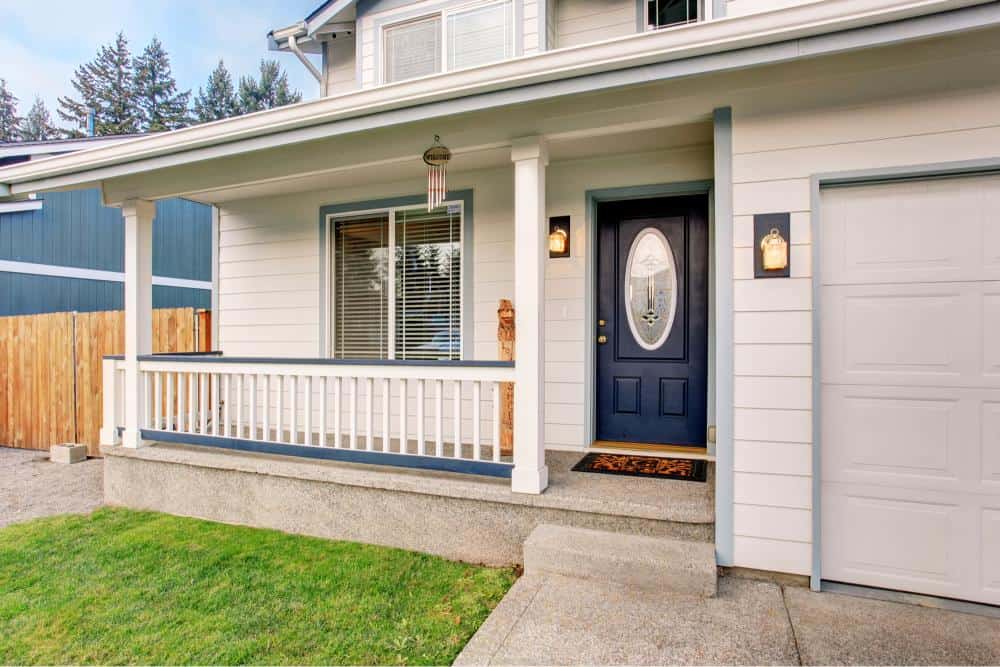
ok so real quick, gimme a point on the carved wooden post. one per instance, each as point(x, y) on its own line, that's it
point(505, 345)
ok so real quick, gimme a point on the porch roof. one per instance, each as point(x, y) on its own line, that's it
point(728, 44)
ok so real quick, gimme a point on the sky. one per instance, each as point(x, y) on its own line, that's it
point(43, 41)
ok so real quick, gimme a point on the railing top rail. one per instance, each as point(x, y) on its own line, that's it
point(207, 357)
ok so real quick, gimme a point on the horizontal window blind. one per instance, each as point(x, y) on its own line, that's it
point(413, 49)
point(425, 264)
point(480, 36)
point(428, 284)
point(361, 287)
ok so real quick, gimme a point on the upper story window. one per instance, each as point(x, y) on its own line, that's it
point(663, 13)
point(453, 39)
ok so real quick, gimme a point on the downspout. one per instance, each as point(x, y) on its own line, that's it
point(294, 46)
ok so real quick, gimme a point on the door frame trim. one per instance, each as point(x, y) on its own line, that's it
point(818, 182)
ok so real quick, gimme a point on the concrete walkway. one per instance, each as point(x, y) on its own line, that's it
point(31, 486)
point(552, 620)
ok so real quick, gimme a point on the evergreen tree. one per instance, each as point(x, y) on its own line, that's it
point(269, 91)
point(9, 120)
point(218, 99)
point(158, 105)
point(103, 85)
point(37, 125)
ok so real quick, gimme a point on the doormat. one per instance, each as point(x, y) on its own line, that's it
point(690, 470)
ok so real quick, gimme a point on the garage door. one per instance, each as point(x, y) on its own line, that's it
point(910, 352)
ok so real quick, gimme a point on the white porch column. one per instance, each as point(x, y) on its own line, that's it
point(138, 308)
point(530, 157)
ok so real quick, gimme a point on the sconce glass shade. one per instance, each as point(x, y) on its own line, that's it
point(557, 241)
point(774, 251)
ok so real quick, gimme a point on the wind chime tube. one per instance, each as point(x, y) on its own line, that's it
point(436, 186)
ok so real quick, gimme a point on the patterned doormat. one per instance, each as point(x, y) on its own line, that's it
point(690, 470)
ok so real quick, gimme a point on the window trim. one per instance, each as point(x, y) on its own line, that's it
point(327, 306)
point(441, 15)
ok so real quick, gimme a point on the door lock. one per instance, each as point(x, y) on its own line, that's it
point(602, 339)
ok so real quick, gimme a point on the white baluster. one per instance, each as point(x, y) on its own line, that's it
point(179, 404)
point(439, 418)
point(386, 413)
point(421, 441)
point(266, 407)
point(308, 438)
point(215, 403)
point(157, 399)
point(337, 415)
point(146, 398)
point(279, 417)
point(403, 411)
point(496, 421)
point(476, 426)
point(169, 406)
point(457, 415)
point(322, 412)
point(252, 431)
point(226, 404)
point(240, 386)
point(203, 403)
point(192, 401)
point(369, 413)
point(293, 431)
point(352, 414)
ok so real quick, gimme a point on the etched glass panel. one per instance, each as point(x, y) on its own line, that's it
point(650, 288)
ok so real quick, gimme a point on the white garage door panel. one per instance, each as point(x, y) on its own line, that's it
point(910, 371)
point(925, 333)
point(915, 235)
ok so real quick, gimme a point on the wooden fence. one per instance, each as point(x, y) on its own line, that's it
point(50, 370)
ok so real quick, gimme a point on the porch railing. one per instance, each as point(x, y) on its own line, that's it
point(440, 415)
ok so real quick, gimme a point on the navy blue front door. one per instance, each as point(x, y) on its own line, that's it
point(652, 320)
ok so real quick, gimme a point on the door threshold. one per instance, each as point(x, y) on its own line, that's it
point(651, 449)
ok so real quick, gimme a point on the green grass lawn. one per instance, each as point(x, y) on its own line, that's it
point(137, 587)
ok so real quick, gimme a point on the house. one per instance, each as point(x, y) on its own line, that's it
point(783, 255)
point(63, 251)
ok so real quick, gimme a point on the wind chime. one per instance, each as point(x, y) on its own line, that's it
point(436, 158)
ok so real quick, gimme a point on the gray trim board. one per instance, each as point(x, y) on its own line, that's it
point(594, 197)
point(724, 392)
point(817, 183)
point(468, 217)
point(485, 468)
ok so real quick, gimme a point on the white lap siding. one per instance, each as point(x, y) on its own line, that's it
point(775, 155)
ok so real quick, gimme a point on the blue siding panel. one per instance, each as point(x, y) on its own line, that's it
point(22, 294)
point(74, 229)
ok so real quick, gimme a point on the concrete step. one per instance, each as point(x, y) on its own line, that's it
point(656, 564)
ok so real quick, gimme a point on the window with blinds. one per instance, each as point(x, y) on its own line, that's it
point(412, 49)
point(480, 36)
point(397, 285)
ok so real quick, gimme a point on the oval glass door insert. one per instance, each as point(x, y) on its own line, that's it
point(650, 288)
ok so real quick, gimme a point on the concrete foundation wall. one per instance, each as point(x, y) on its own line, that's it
point(303, 497)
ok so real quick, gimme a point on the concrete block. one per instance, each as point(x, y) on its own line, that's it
point(656, 564)
point(68, 453)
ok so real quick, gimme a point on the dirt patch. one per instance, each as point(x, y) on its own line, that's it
point(31, 486)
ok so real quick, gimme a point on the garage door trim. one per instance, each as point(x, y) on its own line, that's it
point(818, 182)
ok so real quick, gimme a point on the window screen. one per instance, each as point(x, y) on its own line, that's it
point(425, 264)
point(413, 49)
point(480, 36)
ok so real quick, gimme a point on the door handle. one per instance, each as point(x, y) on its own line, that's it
point(601, 340)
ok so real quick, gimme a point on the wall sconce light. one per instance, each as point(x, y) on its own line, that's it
point(559, 236)
point(772, 232)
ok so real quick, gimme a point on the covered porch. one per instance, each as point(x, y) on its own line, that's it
point(285, 383)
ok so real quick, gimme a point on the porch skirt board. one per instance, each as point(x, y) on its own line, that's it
point(462, 529)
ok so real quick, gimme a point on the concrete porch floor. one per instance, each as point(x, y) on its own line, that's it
point(553, 620)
